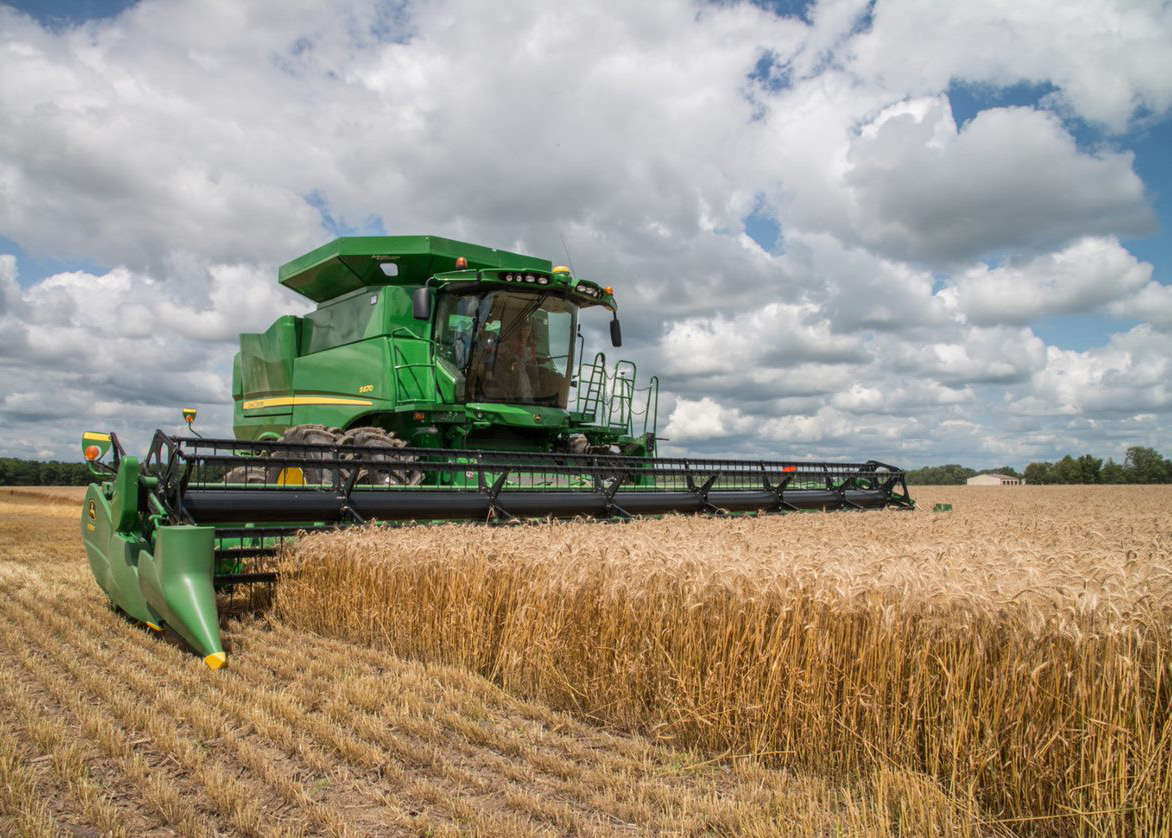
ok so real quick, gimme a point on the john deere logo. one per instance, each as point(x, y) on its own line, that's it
point(93, 510)
point(538, 418)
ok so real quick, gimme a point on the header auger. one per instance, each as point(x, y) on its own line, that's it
point(433, 383)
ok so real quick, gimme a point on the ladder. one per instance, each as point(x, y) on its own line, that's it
point(591, 393)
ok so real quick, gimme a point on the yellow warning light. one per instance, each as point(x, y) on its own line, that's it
point(561, 269)
point(92, 452)
point(609, 290)
point(461, 263)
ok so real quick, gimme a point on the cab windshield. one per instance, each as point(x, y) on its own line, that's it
point(505, 346)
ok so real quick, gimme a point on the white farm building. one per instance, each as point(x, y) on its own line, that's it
point(994, 480)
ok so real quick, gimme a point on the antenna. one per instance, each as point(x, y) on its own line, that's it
point(567, 249)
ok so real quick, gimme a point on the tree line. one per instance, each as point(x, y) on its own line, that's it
point(1140, 465)
point(15, 472)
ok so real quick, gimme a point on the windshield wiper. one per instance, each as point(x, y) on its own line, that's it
point(525, 315)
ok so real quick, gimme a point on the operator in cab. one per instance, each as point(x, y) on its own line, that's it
point(521, 360)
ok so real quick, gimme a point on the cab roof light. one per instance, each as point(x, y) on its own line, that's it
point(539, 279)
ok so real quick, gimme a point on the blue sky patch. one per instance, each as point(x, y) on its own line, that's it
point(32, 268)
point(1152, 146)
point(801, 9)
point(763, 228)
point(54, 13)
point(770, 73)
point(1079, 332)
point(969, 99)
point(370, 226)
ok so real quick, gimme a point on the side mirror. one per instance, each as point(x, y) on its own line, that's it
point(616, 333)
point(421, 303)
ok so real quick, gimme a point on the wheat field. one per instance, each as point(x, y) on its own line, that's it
point(66, 495)
point(1014, 655)
point(107, 729)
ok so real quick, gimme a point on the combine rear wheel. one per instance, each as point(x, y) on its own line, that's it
point(381, 447)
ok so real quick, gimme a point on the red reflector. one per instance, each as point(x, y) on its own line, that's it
point(419, 417)
point(790, 468)
point(461, 263)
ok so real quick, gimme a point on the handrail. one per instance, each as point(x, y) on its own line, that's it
point(396, 353)
point(615, 393)
point(650, 411)
point(619, 411)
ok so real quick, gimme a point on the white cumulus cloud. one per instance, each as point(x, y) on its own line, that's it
point(1087, 276)
point(1011, 178)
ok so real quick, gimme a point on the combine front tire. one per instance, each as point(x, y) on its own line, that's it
point(307, 435)
point(298, 467)
point(246, 475)
point(381, 447)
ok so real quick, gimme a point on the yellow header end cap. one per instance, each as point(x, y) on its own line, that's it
point(216, 660)
point(291, 476)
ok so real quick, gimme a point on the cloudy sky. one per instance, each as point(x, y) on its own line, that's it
point(917, 231)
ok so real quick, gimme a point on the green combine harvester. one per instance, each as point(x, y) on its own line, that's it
point(435, 381)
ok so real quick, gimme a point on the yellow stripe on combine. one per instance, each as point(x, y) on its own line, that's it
point(288, 401)
point(93, 437)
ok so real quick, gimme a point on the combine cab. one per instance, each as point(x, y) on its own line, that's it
point(436, 381)
point(439, 344)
